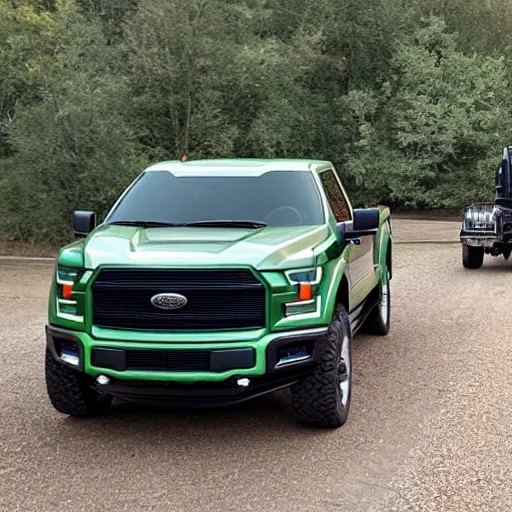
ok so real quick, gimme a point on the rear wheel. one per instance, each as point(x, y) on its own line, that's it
point(70, 392)
point(323, 398)
point(472, 257)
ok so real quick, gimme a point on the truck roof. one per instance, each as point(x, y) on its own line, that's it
point(237, 166)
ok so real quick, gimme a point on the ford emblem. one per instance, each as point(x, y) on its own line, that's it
point(168, 301)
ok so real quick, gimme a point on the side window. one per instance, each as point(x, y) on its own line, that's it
point(335, 196)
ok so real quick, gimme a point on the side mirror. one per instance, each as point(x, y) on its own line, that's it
point(365, 223)
point(83, 223)
point(366, 219)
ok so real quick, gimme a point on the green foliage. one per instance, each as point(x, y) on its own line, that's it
point(436, 121)
point(72, 148)
point(178, 64)
point(27, 45)
point(408, 99)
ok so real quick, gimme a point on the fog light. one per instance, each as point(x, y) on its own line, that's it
point(243, 383)
point(293, 355)
point(102, 380)
point(70, 355)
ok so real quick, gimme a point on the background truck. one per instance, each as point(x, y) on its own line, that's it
point(487, 227)
point(212, 282)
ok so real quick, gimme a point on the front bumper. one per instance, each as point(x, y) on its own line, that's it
point(213, 379)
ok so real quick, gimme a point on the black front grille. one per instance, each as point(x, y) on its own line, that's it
point(168, 360)
point(217, 299)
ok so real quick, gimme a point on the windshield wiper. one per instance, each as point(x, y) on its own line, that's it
point(145, 223)
point(254, 224)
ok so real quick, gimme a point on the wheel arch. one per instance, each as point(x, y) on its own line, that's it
point(343, 294)
point(384, 247)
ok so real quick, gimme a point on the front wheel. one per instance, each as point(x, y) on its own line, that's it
point(323, 398)
point(472, 257)
point(70, 392)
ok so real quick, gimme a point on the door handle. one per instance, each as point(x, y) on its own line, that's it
point(355, 241)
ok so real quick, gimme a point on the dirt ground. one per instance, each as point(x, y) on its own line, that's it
point(408, 230)
point(429, 428)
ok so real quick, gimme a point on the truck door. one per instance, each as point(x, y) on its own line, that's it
point(360, 266)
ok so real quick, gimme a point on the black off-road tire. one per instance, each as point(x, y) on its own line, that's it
point(318, 399)
point(378, 321)
point(472, 257)
point(70, 392)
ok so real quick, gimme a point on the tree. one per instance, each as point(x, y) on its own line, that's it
point(179, 64)
point(72, 148)
point(435, 125)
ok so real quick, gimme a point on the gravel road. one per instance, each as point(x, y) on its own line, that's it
point(429, 428)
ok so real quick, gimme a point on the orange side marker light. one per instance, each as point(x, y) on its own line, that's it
point(67, 291)
point(305, 291)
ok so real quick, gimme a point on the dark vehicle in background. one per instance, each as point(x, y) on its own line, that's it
point(487, 227)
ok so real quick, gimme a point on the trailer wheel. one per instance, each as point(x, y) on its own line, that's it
point(472, 257)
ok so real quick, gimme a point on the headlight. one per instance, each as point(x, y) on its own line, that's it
point(312, 276)
point(67, 303)
point(307, 281)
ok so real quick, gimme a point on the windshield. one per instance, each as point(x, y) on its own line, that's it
point(278, 198)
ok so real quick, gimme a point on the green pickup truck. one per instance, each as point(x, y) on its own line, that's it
point(215, 281)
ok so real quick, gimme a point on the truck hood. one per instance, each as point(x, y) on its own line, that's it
point(270, 248)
